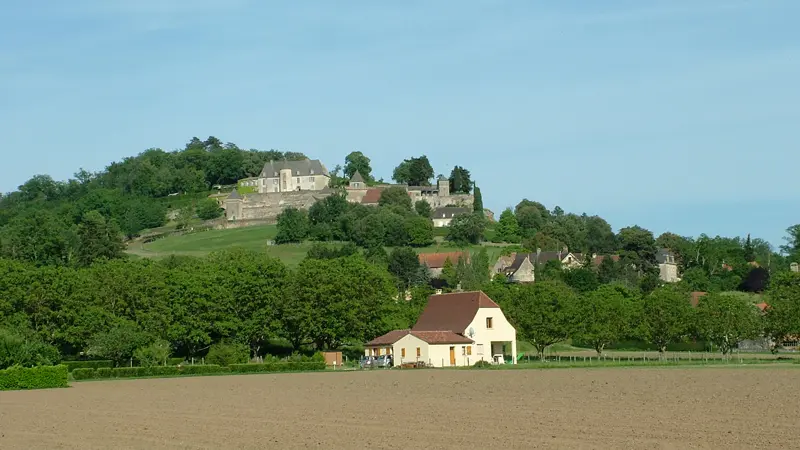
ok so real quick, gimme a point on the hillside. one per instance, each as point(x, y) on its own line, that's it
point(253, 238)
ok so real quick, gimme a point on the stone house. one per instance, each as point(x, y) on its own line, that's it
point(443, 216)
point(521, 267)
point(794, 267)
point(457, 329)
point(435, 261)
point(667, 266)
point(290, 176)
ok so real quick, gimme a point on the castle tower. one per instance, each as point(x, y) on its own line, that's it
point(444, 187)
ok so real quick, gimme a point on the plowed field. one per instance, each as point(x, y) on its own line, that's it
point(431, 409)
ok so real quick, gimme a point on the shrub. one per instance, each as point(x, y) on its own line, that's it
point(153, 371)
point(155, 354)
point(73, 365)
point(175, 361)
point(25, 351)
point(482, 365)
point(42, 377)
point(291, 366)
point(225, 354)
point(203, 369)
point(85, 373)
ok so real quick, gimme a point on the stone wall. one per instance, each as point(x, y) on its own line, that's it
point(267, 207)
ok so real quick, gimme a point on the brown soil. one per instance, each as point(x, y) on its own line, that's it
point(432, 409)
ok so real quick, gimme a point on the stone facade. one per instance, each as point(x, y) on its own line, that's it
point(437, 196)
point(794, 267)
point(290, 176)
point(300, 184)
point(667, 266)
point(267, 207)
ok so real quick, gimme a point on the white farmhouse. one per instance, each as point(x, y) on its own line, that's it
point(457, 329)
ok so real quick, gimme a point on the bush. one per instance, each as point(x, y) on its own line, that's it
point(154, 371)
point(290, 366)
point(482, 365)
point(208, 209)
point(73, 365)
point(175, 361)
point(155, 354)
point(224, 354)
point(25, 351)
point(43, 377)
point(203, 369)
point(85, 373)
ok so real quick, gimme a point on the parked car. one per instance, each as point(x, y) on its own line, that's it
point(384, 361)
point(366, 362)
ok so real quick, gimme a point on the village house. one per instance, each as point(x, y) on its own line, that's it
point(443, 216)
point(521, 267)
point(435, 261)
point(794, 267)
point(457, 329)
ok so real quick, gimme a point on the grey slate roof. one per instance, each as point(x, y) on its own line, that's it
point(357, 178)
point(448, 212)
point(664, 256)
point(235, 195)
point(302, 168)
point(540, 258)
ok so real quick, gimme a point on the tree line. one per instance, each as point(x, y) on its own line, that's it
point(548, 312)
point(335, 298)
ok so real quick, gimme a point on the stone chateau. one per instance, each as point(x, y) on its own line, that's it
point(299, 184)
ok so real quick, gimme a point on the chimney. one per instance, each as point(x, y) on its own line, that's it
point(458, 288)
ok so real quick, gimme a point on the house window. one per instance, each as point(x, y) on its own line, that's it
point(463, 350)
point(298, 180)
point(480, 349)
point(403, 352)
point(310, 179)
point(419, 353)
point(274, 181)
point(311, 171)
point(469, 350)
point(488, 323)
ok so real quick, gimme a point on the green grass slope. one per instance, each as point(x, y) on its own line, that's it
point(255, 238)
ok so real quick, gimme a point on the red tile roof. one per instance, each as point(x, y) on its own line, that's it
point(436, 260)
point(696, 297)
point(372, 196)
point(442, 337)
point(452, 312)
point(762, 306)
point(389, 338)
point(599, 259)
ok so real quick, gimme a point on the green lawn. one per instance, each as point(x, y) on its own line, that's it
point(256, 238)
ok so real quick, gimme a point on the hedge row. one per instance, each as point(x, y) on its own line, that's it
point(72, 365)
point(42, 377)
point(156, 371)
point(291, 366)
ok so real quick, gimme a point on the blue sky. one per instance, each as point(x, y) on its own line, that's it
point(680, 115)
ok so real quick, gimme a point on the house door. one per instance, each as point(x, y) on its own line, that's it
point(452, 356)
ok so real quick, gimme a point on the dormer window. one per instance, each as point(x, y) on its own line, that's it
point(312, 171)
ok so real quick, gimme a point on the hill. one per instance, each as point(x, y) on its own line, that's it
point(253, 238)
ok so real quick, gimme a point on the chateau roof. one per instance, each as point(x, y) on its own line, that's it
point(235, 195)
point(357, 178)
point(302, 168)
point(449, 212)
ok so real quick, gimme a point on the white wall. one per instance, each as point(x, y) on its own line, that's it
point(501, 331)
point(410, 343)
